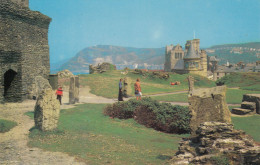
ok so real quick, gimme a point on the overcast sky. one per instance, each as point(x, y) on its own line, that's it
point(77, 24)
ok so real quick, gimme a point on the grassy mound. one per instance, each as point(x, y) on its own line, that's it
point(6, 125)
point(246, 81)
point(84, 132)
point(106, 84)
point(160, 116)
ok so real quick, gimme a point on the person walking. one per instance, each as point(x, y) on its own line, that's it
point(120, 95)
point(138, 91)
point(59, 93)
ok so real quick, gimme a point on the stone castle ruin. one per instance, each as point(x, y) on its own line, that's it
point(24, 50)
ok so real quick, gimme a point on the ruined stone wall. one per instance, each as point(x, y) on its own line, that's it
point(22, 3)
point(23, 46)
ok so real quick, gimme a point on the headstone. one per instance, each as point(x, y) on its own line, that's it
point(191, 83)
point(47, 111)
point(127, 87)
point(253, 98)
point(208, 104)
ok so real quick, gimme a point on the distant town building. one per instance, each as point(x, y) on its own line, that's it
point(191, 60)
point(240, 67)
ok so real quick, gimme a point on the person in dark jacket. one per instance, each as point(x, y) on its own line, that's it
point(59, 93)
point(120, 95)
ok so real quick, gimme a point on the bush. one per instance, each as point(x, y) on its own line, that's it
point(160, 116)
point(122, 110)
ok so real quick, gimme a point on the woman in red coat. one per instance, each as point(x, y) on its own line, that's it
point(59, 94)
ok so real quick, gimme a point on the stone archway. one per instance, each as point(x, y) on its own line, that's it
point(10, 85)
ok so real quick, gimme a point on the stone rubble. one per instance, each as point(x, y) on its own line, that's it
point(218, 140)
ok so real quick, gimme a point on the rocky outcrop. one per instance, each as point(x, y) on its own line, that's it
point(65, 74)
point(208, 104)
point(46, 111)
point(215, 141)
point(101, 68)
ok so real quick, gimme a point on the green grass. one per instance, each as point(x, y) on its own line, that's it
point(6, 125)
point(249, 124)
point(234, 96)
point(106, 84)
point(181, 97)
point(246, 81)
point(86, 133)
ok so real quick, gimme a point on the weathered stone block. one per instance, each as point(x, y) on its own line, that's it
point(46, 111)
point(248, 105)
point(72, 91)
point(253, 98)
point(127, 87)
point(77, 84)
point(208, 104)
point(241, 111)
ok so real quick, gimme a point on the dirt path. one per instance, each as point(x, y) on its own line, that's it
point(13, 144)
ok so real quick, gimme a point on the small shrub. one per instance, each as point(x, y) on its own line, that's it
point(122, 110)
point(160, 116)
point(6, 125)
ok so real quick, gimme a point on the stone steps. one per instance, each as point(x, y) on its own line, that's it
point(241, 111)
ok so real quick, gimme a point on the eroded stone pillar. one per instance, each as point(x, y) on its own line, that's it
point(72, 91)
point(191, 83)
point(47, 111)
point(127, 87)
point(208, 104)
point(76, 94)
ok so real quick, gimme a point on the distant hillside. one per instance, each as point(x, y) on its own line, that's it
point(255, 45)
point(121, 56)
point(153, 58)
point(234, 53)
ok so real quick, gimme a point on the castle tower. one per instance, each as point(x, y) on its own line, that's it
point(22, 3)
point(24, 49)
point(172, 55)
point(192, 61)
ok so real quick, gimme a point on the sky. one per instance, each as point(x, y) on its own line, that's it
point(77, 24)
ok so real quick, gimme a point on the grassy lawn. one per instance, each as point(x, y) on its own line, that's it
point(249, 124)
point(6, 125)
point(234, 96)
point(246, 81)
point(106, 84)
point(86, 133)
point(181, 97)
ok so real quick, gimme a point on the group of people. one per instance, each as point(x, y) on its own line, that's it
point(138, 90)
